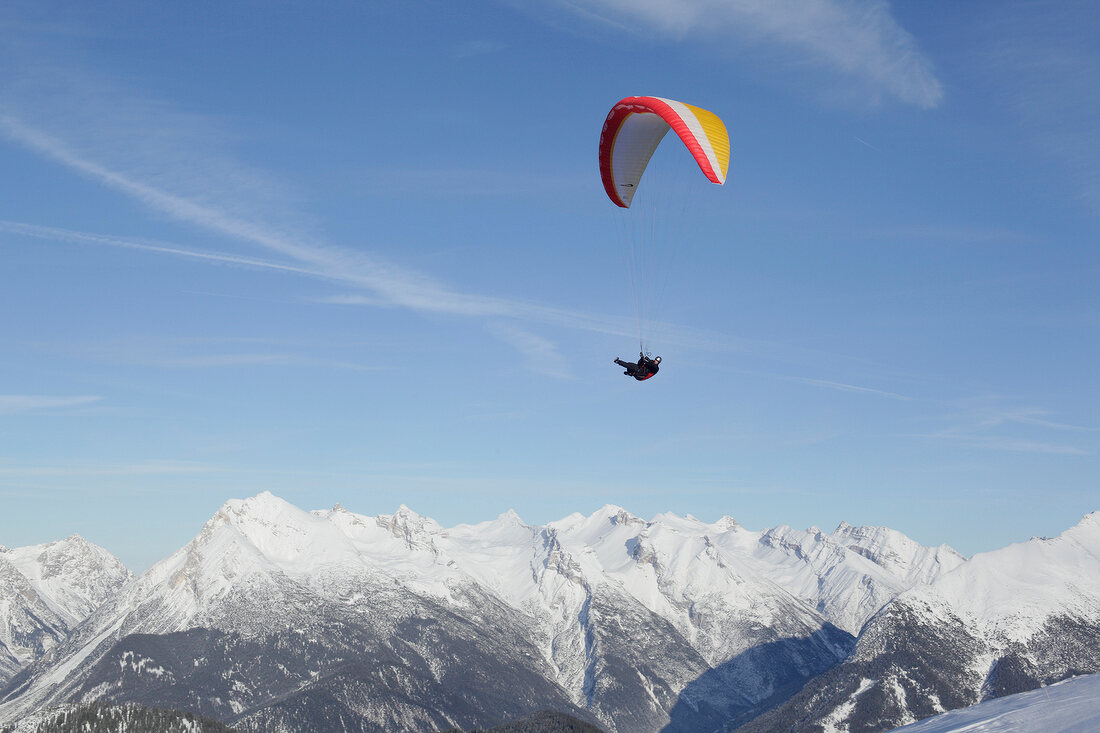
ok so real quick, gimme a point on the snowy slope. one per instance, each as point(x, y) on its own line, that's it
point(1072, 706)
point(28, 627)
point(850, 574)
point(1010, 593)
point(642, 624)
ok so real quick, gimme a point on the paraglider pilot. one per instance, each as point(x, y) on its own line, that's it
point(643, 370)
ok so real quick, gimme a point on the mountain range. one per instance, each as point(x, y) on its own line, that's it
point(275, 618)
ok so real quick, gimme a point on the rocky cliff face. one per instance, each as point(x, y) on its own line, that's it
point(45, 591)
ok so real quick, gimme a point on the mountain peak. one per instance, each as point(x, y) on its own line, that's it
point(617, 515)
point(1084, 534)
point(264, 507)
point(1090, 521)
point(902, 556)
point(264, 532)
point(406, 512)
point(266, 498)
point(70, 576)
point(262, 501)
point(726, 523)
point(511, 517)
point(407, 525)
point(673, 518)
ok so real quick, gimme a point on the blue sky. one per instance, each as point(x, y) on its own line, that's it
point(360, 253)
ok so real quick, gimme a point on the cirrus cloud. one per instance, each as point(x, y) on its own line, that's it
point(11, 404)
point(858, 38)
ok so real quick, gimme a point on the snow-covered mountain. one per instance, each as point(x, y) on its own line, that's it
point(277, 618)
point(46, 590)
point(850, 574)
point(628, 622)
point(1072, 706)
point(1004, 622)
point(1009, 594)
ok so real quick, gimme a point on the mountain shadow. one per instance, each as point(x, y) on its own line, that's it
point(758, 679)
point(910, 664)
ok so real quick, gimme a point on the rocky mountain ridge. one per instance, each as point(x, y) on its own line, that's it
point(273, 616)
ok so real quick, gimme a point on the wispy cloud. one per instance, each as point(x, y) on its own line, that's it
point(428, 296)
point(474, 306)
point(15, 404)
point(848, 387)
point(68, 235)
point(350, 299)
point(1013, 445)
point(1035, 416)
point(466, 182)
point(209, 353)
point(121, 143)
point(858, 38)
point(541, 354)
point(394, 284)
point(150, 179)
point(208, 361)
point(990, 424)
point(863, 142)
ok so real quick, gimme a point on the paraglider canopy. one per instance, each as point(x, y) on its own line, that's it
point(635, 127)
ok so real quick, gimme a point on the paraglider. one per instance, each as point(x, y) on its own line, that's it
point(633, 130)
point(643, 369)
point(635, 127)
